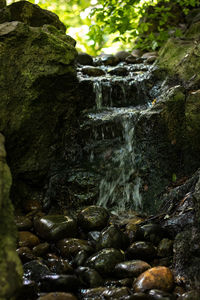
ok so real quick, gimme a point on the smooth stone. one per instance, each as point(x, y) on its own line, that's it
point(119, 71)
point(164, 261)
point(156, 278)
point(59, 283)
point(58, 296)
point(160, 295)
point(23, 223)
point(112, 237)
point(141, 250)
point(131, 59)
point(105, 260)
point(93, 218)
point(151, 232)
point(59, 266)
point(151, 59)
point(93, 71)
point(105, 293)
point(84, 59)
point(119, 283)
point(140, 296)
point(165, 248)
point(41, 249)
point(136, 53)
point(132, 226)
point(122, 55)
point(109, 60)
point(55, 227)
point(35, 270)
point(80, 258)
point(149, 54)
point(90, 277)
point(132, 268)
point(191, 295)
point(31, 205)
point(70, 247)
point(25, 254)
point(93, 237)
point(28, 239)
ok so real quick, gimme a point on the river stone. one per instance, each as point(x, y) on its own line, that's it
point(165, 248)
point(90, 277)
point(70, 247)
point(80, 258)
point(58, 296)
point(93, 218)
point(41, 249)
point(93, 71)
point(105, 293)
point(119, 71)
point(155, 278)
point(59, 283)
point(33, 15)
point(151, 59)
point(122, 55)
point(131, 268)
point(35, 270)
point(158, 294)
point(191, 295)
point(59, 266)
point(140, 296)
point(151, 232)
point(112, 237)
point(105, 260)
point(55, 227)
point(131, 59)
point(25, 254)
point(28, 239)
point(141, 250)
point(149, 54)
point(109, 60)
point(23, 223)
point(136, 53)
point(84, 59)
point(30, 205)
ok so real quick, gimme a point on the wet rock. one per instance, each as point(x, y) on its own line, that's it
point(105, 293)
point(151, 59)
point(90, 277)
point(141, 250)
point(131, 59)
point(158, 294)
point(70, 247)
point(109, 60)
point(149, 54)
point(165, 261)
point(23, 223)
point(80, 258)
point(58, 296)
point(122, 55)
point(191, 295)
point(136, 53)
point(84, 59)
point(119, 71)
point(93, 237)
point(151, 232)
point(30, 205)
point(59, 283)
point(28, 290)
point(93, 218)
point(112, 237)
point(28, 239)
point(59, 266)
point(33, 15)
point(35, 270)
point(41, 249)
point(55, 227)
point(105, 260)
point(25, 254)
point(165, 248)
point(132, 226)
point(140, 296)
point(132, 268)
point(119, 283)
point(93, 71)
point(156, 278)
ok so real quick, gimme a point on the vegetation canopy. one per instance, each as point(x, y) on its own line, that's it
point(97, 24)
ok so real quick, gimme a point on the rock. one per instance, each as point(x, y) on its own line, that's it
point(119, 71)
point(131, 59)
point(41, 249)
point(28, 239)
point(132, 268)
point(122, 55)
point(28, 290)
point(30, 205)
point(105, 260)
point(93, 71)
point(106, 293)
point(151, 232)
point(157, 294)
point(80, 258)
point(141, 250)
point(165, 248)
point(35, 270)
point(55, 227)
point(151, 59)
point(10, 266)
point(25, 254)
point(149, 54)
point(156, 278)
point(33, 15)
point(59, 266)
point(58, 296)
point(191, 295)
point(93, 237)
point(59, 283)
point(112, 237)
point(132, 226)
point(109, 60)
point(23, 223)
point(93, 218)
point(84, 59)
point(90, 277)
point(70, 247)
point(136, 53)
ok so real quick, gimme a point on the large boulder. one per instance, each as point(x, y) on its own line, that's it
point(11, 270)
point(38, 92)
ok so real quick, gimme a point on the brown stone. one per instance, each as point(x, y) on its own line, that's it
point(28, 239)
point(58, 296)
point(156, 278)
